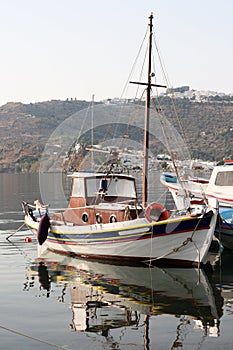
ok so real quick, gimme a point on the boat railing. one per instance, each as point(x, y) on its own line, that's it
point(46, 208)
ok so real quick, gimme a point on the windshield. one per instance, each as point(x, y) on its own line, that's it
point(116, 187)
point(224, 178)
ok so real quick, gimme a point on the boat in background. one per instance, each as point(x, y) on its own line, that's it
point(105, 220)
point(224, 229)
point(220, 186)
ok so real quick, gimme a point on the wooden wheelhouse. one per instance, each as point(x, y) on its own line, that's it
point(98, 198)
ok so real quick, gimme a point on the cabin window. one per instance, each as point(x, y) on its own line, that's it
point(78, 189)
point(122, 188)
point(93, 186)
point(224, 178)
point(116, 187)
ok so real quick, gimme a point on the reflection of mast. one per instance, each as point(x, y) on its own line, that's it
point(95, 312)
point(146, 332)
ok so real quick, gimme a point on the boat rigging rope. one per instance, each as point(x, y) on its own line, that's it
point(165, 76)
point(33, 338)
point(134, 65)
point(137, 89)
point(169, 150)
point(175, 249)
point(166, 79)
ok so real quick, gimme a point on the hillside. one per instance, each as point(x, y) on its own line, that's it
point(208, 126)
point(25, 128)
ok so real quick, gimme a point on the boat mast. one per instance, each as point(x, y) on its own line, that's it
point(147, 120)
point(147, 115)
point(92, 130)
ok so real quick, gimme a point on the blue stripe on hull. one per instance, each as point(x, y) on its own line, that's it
point(106, 237)
point(184, 225)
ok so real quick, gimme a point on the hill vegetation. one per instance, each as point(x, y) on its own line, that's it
point(25, 128)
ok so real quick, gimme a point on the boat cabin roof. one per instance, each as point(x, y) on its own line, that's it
point(83, 174)
point(102, 187)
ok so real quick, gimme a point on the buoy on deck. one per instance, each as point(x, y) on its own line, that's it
point(28, 239)
point(156, 212)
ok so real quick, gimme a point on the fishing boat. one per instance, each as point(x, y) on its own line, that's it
point(220, 186)
point(105, 219)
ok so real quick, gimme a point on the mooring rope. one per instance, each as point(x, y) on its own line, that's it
point(175, 249)
point(18, 229)
point(34, 338)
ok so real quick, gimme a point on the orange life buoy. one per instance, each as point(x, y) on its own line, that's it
point(156, 212)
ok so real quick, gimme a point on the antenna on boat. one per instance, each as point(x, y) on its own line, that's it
point(92, 130)
point(147, 115)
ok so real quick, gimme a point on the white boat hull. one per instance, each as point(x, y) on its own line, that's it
point(182, 241)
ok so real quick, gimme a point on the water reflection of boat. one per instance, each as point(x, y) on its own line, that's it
point(105, 297)
point(223, 277)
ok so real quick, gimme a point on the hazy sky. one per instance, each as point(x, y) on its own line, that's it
point(54, 49)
